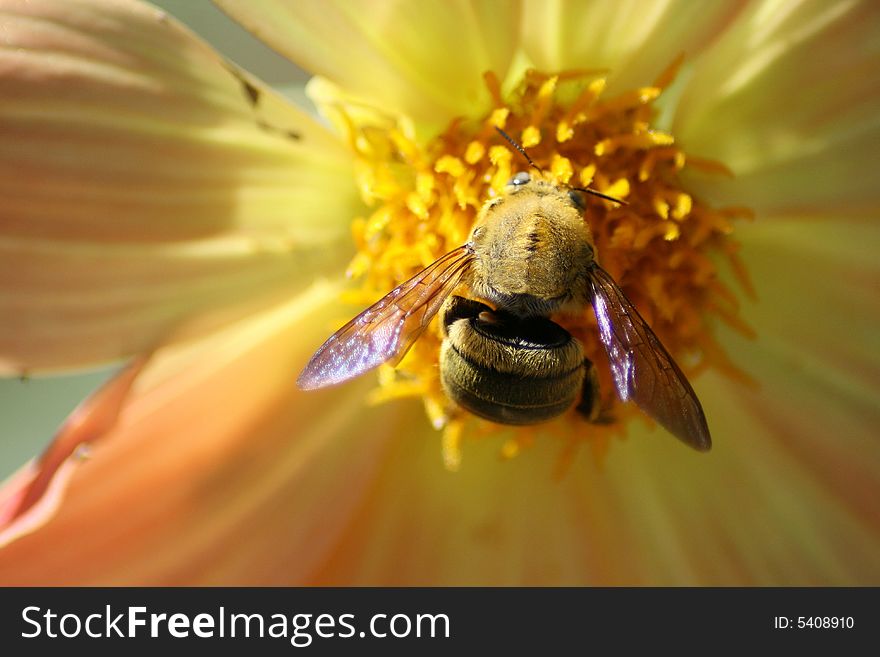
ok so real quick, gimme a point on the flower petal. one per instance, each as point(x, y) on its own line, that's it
point(423, 59)
point(635, 40)
point(33, 494)
point(752, 512)
point(219, 471)
point(788, 99)
point(804, 266)
point(144, 179)
point(817, 310)
point(759, 511)
point(786, 497)
point(491, 523)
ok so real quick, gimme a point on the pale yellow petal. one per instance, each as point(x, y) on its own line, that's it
point(789, 100)
point(423, 59)
point(634, 40)
point(817, 305)
point(145, 181)
point(762, 509)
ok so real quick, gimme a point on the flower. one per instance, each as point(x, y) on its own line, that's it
point(163, 206)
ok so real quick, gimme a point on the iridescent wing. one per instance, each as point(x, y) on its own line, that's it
point(386, 330)
point(643, 370)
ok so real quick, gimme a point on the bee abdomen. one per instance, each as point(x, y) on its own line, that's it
point(510, 370)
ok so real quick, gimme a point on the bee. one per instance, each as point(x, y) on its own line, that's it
point(530, 254)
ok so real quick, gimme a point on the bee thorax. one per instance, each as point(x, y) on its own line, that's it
point(532, 252)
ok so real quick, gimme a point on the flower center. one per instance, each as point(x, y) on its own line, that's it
point(661, 247)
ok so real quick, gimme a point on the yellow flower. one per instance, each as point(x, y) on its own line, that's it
point(161, 206)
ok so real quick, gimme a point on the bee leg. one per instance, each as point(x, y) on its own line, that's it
point(590, 405)
point(457, 308)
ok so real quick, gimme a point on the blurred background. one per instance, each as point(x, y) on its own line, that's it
point(32, 409)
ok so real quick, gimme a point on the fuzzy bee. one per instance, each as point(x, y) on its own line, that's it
point(530, 254)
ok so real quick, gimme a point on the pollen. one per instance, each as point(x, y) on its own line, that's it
point(663, 247)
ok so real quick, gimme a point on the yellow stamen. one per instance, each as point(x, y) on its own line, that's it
point(416, 205)
point(683, 205)
point(451, 445)
point(449, 164)
point(618, 189)
point(561, 169)
point(475, 152)
point(587, 174)
point(659, 247)
point(576, 114)
point(498, 118)
point(668, 75)
point(531, 137)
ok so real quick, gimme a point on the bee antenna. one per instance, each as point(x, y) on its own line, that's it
point(518, 147)
point(529, 160)
point(601, 195)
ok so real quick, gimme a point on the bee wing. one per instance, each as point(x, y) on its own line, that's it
point(387, 329)
point(643, 369)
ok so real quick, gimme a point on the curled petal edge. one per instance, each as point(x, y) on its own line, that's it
point(32, 495)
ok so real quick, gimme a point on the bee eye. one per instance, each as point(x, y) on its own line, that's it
point(520, 179)
point(577, 197)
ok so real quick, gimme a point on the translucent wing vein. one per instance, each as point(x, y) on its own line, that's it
point(386, 330)
point(642, 368)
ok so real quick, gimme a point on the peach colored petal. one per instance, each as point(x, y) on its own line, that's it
point(423, 59)
point(785, 497)
point(219, 471)
point(753, 512)
point(634, 40)
point(31, 497)
point(145, 180)
point(491, 523)
point(788, 98)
